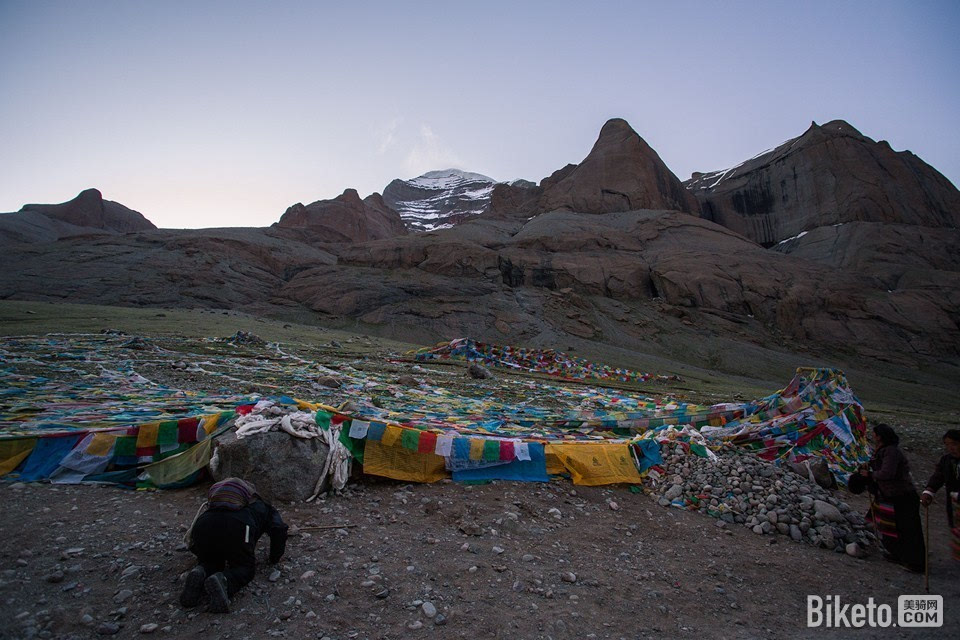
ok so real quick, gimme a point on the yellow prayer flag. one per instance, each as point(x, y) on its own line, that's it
point(554, 465)
point(597, 464)
point(147, 435)
point(476, 448)
point(402, 464)
point(13, 452)
point(391, 435)
point(179, 467)
point(101, 444)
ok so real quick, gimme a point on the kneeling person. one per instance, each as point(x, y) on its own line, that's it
point(224, 539)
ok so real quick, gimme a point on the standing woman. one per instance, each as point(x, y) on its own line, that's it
point(897, 508)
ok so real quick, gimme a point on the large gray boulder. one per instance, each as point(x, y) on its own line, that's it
point(283, 468)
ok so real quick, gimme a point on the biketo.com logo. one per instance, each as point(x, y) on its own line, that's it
point(912, 611)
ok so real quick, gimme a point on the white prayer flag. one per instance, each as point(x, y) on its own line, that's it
point(359, 428)
point(521, 450)
point(444, 445)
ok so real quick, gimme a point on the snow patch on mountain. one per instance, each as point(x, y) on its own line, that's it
point(440, 199)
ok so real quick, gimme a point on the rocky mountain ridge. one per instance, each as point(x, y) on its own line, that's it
point(613, 250)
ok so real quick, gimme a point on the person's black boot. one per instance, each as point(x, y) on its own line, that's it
point(216, 587)
point(193, 589)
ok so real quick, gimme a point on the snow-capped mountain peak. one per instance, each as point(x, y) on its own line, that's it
point(439, 199)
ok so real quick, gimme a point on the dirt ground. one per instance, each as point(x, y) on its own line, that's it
point(84, 561)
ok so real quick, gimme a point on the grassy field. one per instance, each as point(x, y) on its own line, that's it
point(926, 399)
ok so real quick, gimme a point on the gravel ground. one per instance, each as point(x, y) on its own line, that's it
point(503, 560)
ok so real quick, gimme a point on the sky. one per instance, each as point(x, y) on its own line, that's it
point(210, 113)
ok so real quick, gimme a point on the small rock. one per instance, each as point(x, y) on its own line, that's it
point(108, 628)
point(440, 620)
point(274, 575)
point(306, 575)
point(416, 624)
point(123, 596)
point(853, 549)
point(673, 492)
point(429, 609)
point(568, 576)
point(149, 627)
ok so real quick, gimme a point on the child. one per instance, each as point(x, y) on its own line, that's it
point(224, 539)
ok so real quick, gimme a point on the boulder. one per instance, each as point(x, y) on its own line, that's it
point(816, 470)
point(828, 512)
point(479, 371)
point(283, 468)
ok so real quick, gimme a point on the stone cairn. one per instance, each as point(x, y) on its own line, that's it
point(739, 488)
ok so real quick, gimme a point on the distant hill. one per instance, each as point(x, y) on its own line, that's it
point(86, 214)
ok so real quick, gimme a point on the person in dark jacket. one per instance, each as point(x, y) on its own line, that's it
point(224, 539)
point(947, 474)
point(896, 508)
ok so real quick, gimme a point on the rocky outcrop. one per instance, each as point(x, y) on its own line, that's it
point(621, 173)
point(832, 174)
point(345, 218)
point(87, 214)
point(90, 210)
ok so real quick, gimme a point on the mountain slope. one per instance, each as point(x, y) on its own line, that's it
point(832, 174)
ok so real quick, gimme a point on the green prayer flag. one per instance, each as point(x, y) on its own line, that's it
point(353, 445)
point(126, 446)
point(167, 433)
point(698, 449)
point(323, 420)
point(410, 439)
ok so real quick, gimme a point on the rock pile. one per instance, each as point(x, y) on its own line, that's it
point(739, 488)
point(245, 337)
